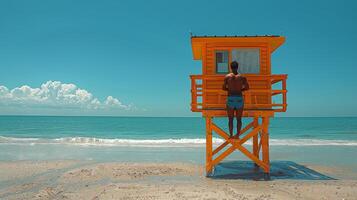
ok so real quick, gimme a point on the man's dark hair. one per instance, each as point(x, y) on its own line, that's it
point(234, 65)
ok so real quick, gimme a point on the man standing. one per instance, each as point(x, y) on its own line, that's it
point(235, 84)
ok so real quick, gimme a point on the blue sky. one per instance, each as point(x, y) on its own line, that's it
point(139, 53)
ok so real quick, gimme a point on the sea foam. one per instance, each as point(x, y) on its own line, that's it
point(182, 142)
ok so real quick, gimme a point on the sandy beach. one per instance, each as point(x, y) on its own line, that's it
point(90, 180)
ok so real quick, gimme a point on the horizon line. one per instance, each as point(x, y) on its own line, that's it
point(133, 116)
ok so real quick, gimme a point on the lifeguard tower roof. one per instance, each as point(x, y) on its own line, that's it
point(197, 42)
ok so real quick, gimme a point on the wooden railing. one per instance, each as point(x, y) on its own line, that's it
point(206, 93)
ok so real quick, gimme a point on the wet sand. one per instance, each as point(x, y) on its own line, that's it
point(91, 180)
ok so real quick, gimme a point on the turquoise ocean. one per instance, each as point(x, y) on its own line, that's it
point(311, 140)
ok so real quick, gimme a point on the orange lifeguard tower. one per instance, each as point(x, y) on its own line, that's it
point(267, 93)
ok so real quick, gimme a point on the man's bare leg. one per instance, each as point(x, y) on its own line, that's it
point(230, 113)
point(239, 122)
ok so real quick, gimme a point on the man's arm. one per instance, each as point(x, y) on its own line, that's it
point(224, 86)
point(245, 84)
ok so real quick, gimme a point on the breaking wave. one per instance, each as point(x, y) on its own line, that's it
point(183, 142)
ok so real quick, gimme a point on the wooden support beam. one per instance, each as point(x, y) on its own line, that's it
point(244, 151)
point(223, 155)
point(253, 133)
point(219, 131)
point(238, 144)
point(255, 139)
point(246, 128)
point(220, 147)
point(225, 136)
point(260, 144)
point(265, 143)
point(222, 133)
point(209, 165)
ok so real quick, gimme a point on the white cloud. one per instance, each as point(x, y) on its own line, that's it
point(57, 94)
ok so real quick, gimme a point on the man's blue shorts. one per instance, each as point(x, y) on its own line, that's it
point(235, 102)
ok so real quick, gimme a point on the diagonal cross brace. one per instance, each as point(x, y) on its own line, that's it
point(250, 125)
point(236, 145)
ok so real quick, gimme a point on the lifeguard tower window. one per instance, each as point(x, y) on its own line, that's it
point(248, 59)
point(222, 62)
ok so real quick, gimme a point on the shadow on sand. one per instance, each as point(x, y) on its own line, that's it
point(278, 170)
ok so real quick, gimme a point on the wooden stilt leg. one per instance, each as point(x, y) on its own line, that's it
point(255, 141)
point(259, 131)
point(208, 146)
point(265, 147)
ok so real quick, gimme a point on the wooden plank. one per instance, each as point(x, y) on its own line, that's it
point(249, 135)
point(220, 147)
point(260, 144)
point(265, 143)
point(255, 139)
point(260, 90)
point(246, 113)
point(223, 155)
point(253, 105)
point(250, 125)
point(208, 145)
point(219, 131)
